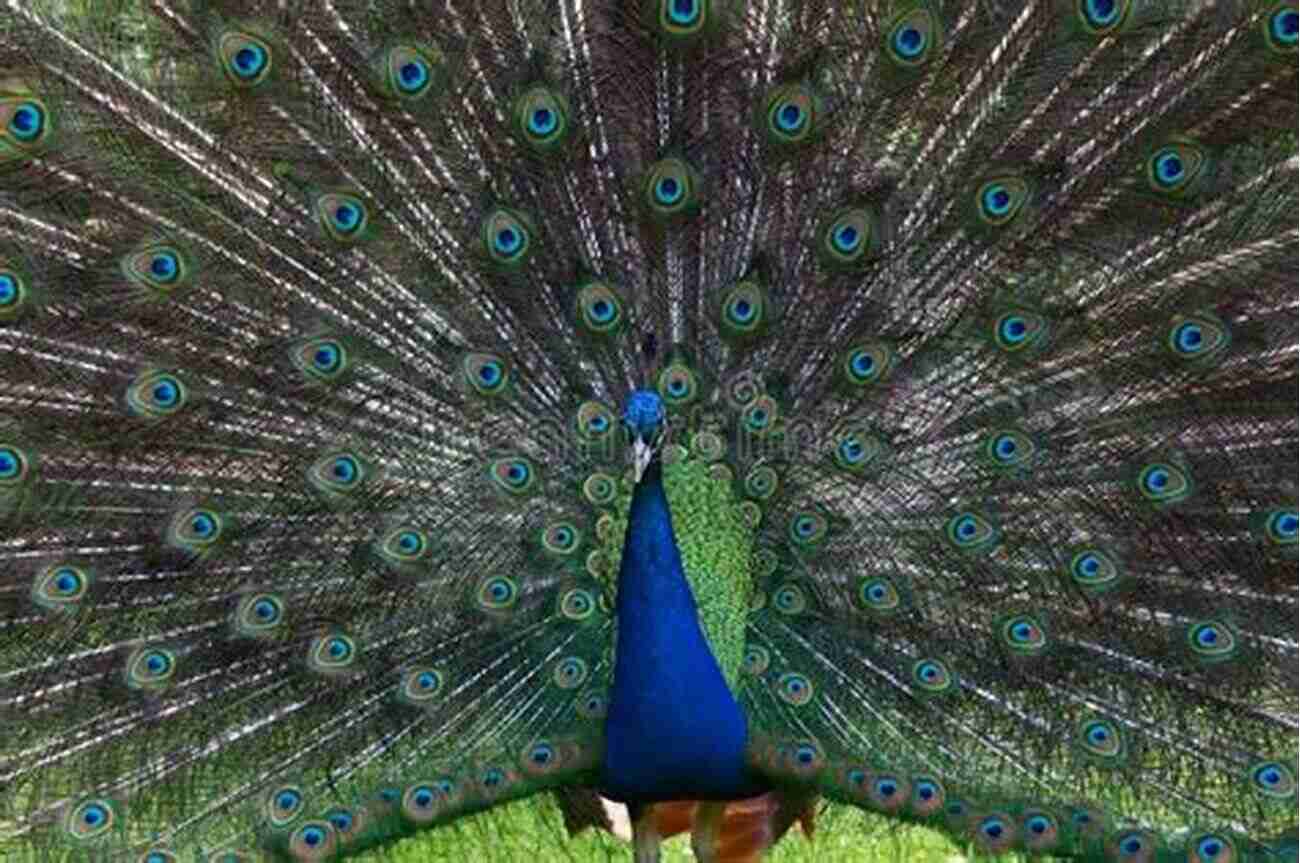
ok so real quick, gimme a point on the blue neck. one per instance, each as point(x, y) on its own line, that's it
point(674, 731)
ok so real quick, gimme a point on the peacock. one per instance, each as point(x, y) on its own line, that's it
point(705, 407)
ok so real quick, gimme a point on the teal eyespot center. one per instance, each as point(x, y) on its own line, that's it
point(1284, 25)
point(347, 217)
point(847, 238)
point(412, 76)
point(8, 289)
point(508, 240)
point(684, 11)
point(249, 60)
point(27, 122)
point(997, 200)
point(668, 190)
point(790, 117)
point(164, 267)
point(344, 469)
point(909, 42)
point(10, 462)
point(542, 121)
point(1101, 13)
point(1169, 167)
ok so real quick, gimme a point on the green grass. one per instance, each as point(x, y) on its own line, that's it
point(530, 831)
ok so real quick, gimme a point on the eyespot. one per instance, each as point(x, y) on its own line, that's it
point(424, 801)
point(1280, 28)
point(577, 604)
point(743, 312)
point(313, 840)
point(15, 466)
point(513, 475)
point(851, 237)
point(594, 423)
point(757, 659)
point(1001, 200)
point(497, 593)
point(887, 792)
point(158, 269)
point(1024, 635)
point(258, 615)
point(708, 446)
point(420, 686)
point(197, 529)
point(795, 689)
point(404, 544)
point(541, 118)
point(1178, 169)
point(1103, 17)
point(410, 72)
point(868, 364)
point(790, 599)
point(570, 673)
point(246, 58)
point(761, 482)
point(1281, 526)
point(1133, 846)
point(150, 669)
point(339, 473)
point(1039, 830)
point(1212, 641)
point(61, 587)
point(592, 705)
point(561, 538)
point(1009, 448)
point(760, 416)
point(879, 595)
point(808, 529)
point(25, 120)
point(1199, 337)
point(1163, 483)
point(14, 291)
point(791, 114)
point(485, 374)
point(671, 189)
point(1211, 847)
point(1094, 571)
point(1102, 742)
point(677, 385)
point(683, 21)
point(802, 758)
point(995, 833)
point(599, 489)
point(1273, 779)
point(601, 311)
point(90, 819)
point(856, 450)
point(332, 653)
point(158, 855)
point(927, 796)
point(507, 237)
point(1020, 331)
point(348, 825)
point(343, 216)
point(911, 39)
point(322, 358)
point(156, 394)
point(972, 532)
point(932, 677)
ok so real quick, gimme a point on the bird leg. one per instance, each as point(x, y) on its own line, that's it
point(645, 833)
point(707, 830)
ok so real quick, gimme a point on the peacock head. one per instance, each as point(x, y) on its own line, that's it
point(643, 416)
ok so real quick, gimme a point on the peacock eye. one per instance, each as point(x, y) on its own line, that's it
point(27, 121)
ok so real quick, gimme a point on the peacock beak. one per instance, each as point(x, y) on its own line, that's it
point(642, 453)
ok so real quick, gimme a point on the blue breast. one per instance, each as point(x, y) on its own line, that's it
point(673, 731)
